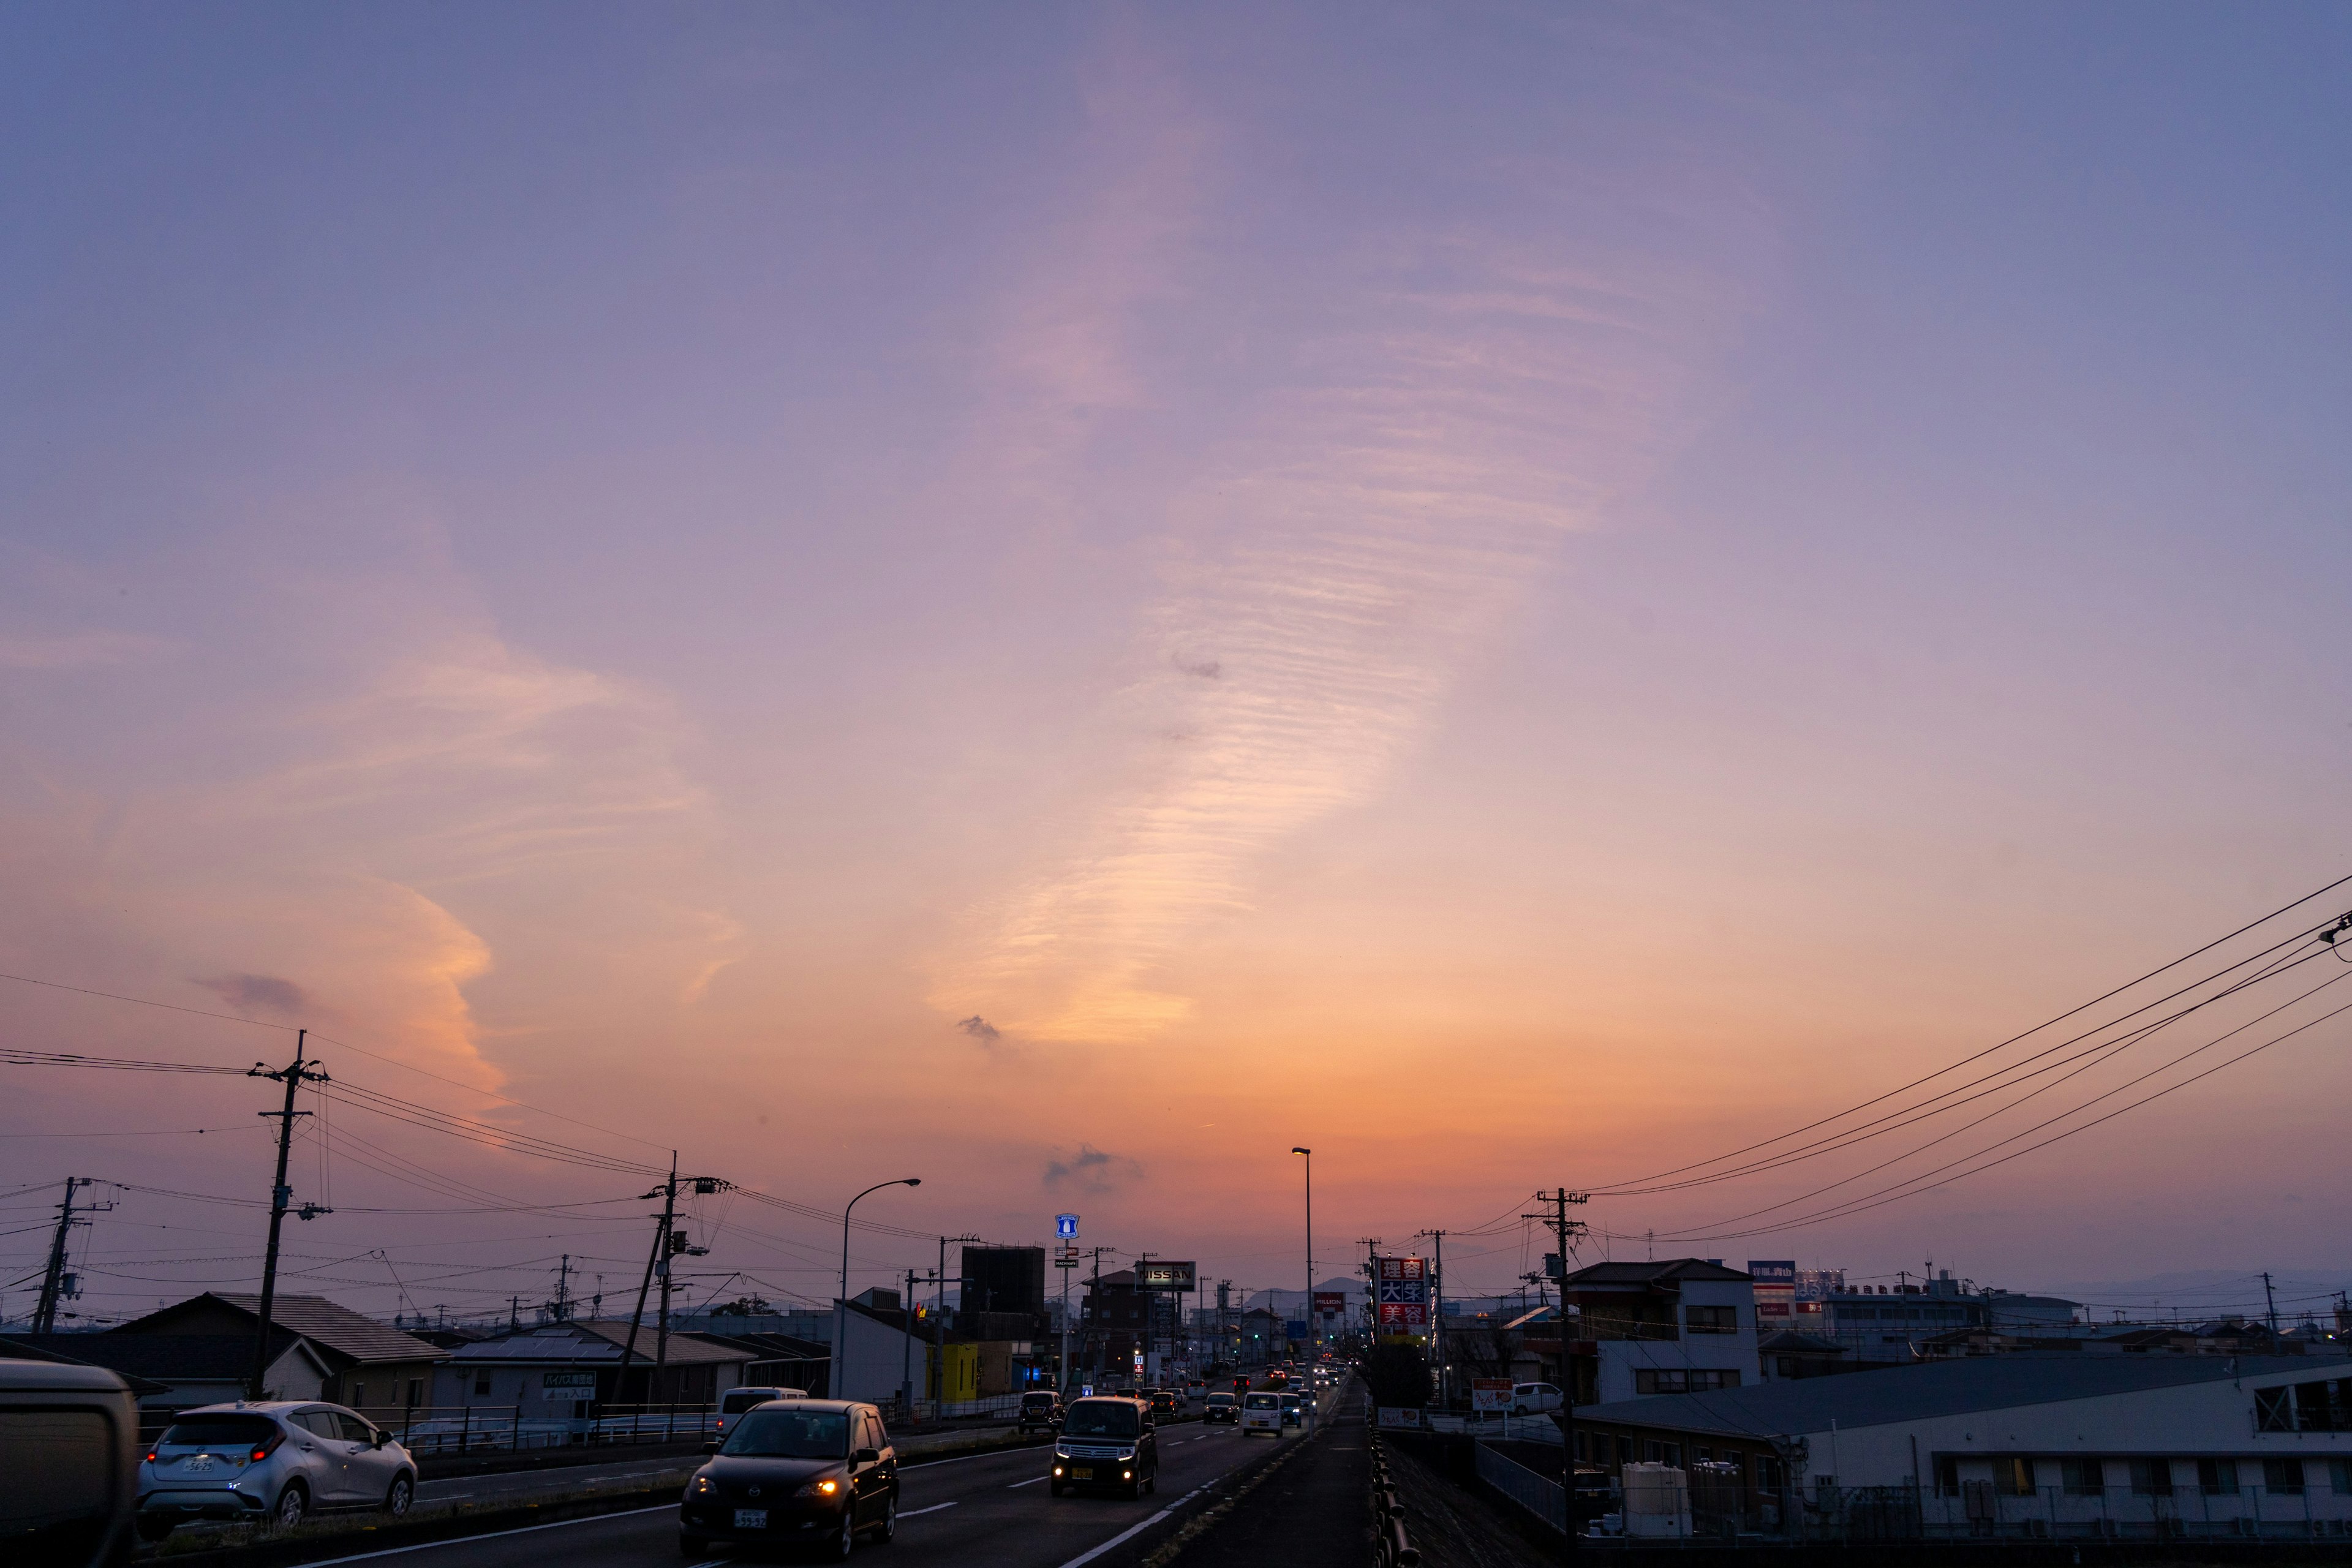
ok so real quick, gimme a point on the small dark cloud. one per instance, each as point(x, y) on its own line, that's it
point(1090, 1170)
point(980, 1029)
point(1207, 669)
point(257, 994)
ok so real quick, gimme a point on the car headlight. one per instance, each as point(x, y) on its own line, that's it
point(1127, 1453)
point(823, 1486)
point(702, 1487)
point(1060, 1452)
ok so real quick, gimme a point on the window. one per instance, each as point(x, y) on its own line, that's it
point(2339, 1476)
point(2013, 1478)
point(2217, 1478)
point(359, 1394)
point(2323, 1407)
point(1703, 1456)
point(1768, 1474)
point(2151, 1477)
point(1624, 1450)
point(1711, 1319)
point(1681, 1380)
point(1947, 1477)
point(1584, 1448)
point(1673, 1453)
point(2082, 1478)
point(481, 1386)
point(1656, 1450)
point(2282, 1476)
point(2273, 1412)
point(1824, 1489)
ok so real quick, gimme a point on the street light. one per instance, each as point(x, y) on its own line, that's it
point(1310, 1243)
point(836, 1363)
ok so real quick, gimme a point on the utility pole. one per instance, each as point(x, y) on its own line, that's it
point(1438, 1316)
point(667, 1193)
point(293, 1076)
point(56, 1283)
point(1308, 1311)
point(940, 1322)
point(2272, 1299)
point(563, 1293)
point(1558, 1205)
point(1094, 1319)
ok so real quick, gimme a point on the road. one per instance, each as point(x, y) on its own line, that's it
point(989, 1507)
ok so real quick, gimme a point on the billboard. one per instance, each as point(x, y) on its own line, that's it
point(1330, 1303)
point(1776, 1292)
point(1402, 1285)
point(1491, 1394)
point(1066, 1227)
point(1164, 1274)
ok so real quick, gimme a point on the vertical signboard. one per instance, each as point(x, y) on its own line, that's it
point(1066, 1227)
point(1403, 1295)
point(1776, 1293)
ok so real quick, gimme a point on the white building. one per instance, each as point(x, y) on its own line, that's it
point(1685, 1325)
point(2019, 1445)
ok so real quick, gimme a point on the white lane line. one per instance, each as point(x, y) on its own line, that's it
point(912, 1512)
point(1032, 1482)
point(497, 1534)
point(1132, 1531)
point(916, 1461)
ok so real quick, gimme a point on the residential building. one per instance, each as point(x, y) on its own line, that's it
point(2014, 1445)
point(1639, 1329)
point(370, 1366)
point(568, 1371)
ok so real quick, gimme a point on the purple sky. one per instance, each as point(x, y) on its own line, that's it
point(1519, 594)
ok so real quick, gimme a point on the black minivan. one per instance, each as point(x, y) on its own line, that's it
point(818, 1472)
point(1106, 1445)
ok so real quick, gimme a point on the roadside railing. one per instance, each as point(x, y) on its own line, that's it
point(492, 1428)
point(1539, 1495)
point(1391, 1548)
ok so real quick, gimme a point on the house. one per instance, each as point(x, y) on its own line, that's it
point(568, 1371)
point(778, 1361)
point(370, 1367)
point(887, 1345)
point(1685, 1324)
point(2024, 1445)
point(1793, 1353)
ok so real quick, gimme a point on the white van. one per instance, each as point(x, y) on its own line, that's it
point(1262, 1412)
point(736, 1401)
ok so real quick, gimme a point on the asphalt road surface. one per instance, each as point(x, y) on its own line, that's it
point(989, 1507)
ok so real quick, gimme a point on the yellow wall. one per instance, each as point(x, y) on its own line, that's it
point(961, 1364)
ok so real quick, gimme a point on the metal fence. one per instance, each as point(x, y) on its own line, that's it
point(486, 1429)
point(1979, 1512)
point(1545, 1498)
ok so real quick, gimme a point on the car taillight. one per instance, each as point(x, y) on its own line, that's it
point(151, 1455)
point(267, 1446)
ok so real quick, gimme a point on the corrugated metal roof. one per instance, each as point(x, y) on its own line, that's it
point(1669, 1272)
point(1941, 1388)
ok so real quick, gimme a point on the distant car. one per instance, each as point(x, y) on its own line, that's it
point(68, 1488)
point(1293, 1413)
point(1039, 1412)
point(1262, 1412)
point(1223, 1408)
point(795, 1472)
point(1533, 1399)
point(279, 1461)
point(736, 1401)
point(1106, 1445)
point(1164, 1402)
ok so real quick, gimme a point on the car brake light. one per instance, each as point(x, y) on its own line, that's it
point(151, 1455)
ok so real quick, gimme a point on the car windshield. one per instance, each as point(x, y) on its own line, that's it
point(1036, 1399)
point(219, 1432)
point(790, 1435)
point(1262, 1402)
point(1220, 1399)
point(739, 1400)
point(1090, 1418)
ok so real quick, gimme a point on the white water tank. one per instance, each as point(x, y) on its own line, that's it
point(1657, 1501)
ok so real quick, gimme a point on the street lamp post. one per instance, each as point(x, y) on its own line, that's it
point(1311, 1244)
point(838, 1362)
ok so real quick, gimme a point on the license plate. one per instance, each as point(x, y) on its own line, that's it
point(751, 1518)
point(1082, 1472)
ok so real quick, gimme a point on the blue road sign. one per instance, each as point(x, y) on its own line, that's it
point(1065, 1226)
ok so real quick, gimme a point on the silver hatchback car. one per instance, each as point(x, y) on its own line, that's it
point(279, 1461)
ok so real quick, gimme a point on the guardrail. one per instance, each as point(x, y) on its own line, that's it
point(1391, 1548)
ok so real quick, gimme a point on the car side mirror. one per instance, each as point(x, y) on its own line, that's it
point(867, 1455)
point(379, 1438)
point(711, 1447)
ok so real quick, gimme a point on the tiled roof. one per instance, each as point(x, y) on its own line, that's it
point(345, 1337)
point(1671, 1271)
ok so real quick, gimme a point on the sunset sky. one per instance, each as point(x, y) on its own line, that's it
point(1060, 599)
